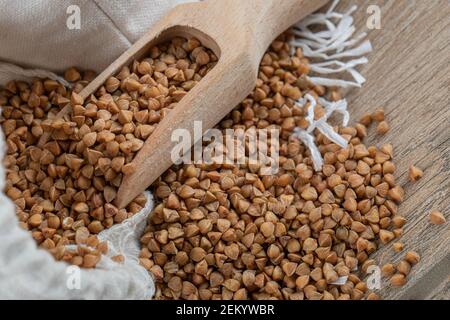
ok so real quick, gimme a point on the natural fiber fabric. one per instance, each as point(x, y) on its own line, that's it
point(34, 33)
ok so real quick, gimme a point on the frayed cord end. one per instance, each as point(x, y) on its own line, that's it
point(308, 141)
point(306, 136)
point(331, 45)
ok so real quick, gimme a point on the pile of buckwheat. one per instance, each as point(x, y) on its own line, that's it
point(218, 231)
point(225, 232)
point(64, 190)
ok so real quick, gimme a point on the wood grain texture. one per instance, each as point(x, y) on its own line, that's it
point(409, 75)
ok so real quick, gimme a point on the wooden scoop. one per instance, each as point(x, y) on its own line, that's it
point(238, 32)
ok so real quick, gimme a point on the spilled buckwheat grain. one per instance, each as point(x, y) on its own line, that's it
point(227, 232)
point(219, 231)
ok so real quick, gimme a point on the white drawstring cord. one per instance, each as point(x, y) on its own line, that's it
point(306, 136)
point(334, 43)
point(330, 45)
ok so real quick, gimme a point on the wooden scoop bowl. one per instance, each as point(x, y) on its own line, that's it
point(238, 32)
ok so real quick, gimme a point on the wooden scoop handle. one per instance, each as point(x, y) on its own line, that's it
point(272, 17)
point(257, 22)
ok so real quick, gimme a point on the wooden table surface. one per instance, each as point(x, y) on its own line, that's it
point(409, 75)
